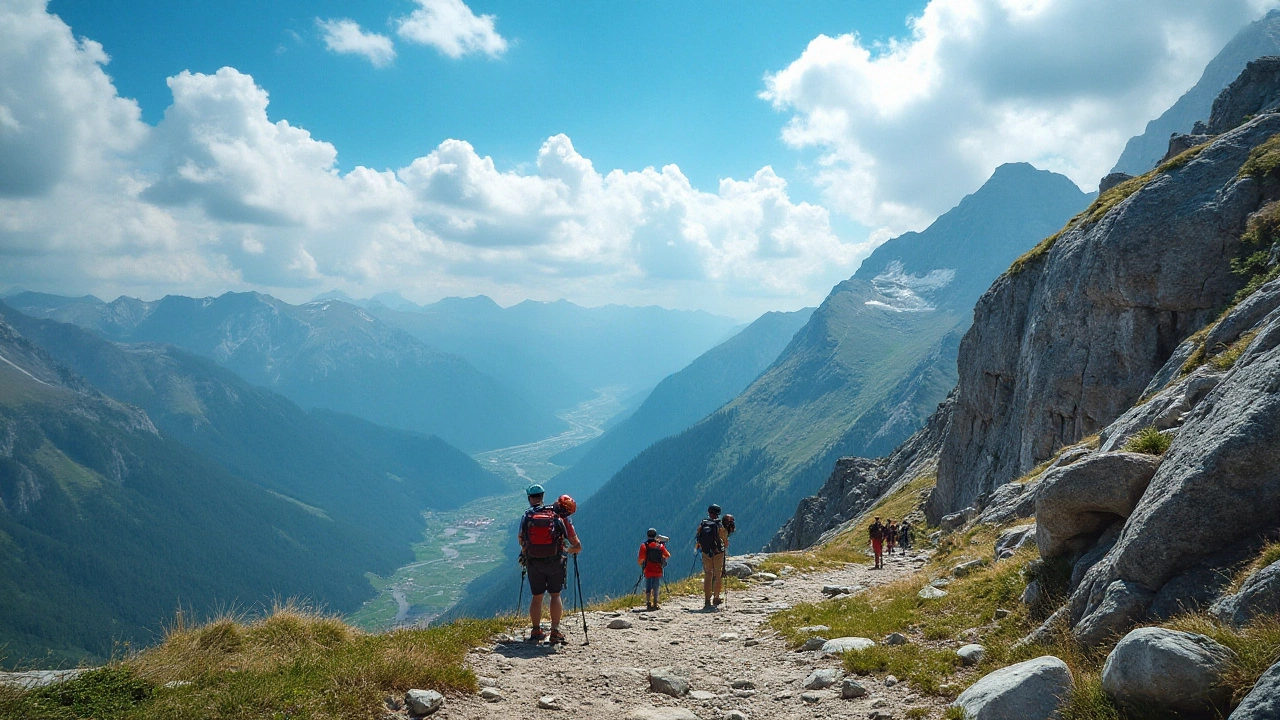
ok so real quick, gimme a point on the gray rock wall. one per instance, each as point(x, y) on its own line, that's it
point(1064, 347)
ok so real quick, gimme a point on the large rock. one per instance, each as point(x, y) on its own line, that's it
point(668, 681)
point(1255, 91)
point(1075, 504)
point(737, 569)
point(1031, 690)
point(1123, 604)
point(1067, 342)
point(1168, 670)
point(1012, 539)
point(1217, 487)
point(822, 678)
point(1263, 701)
point(423, 702)
point(1260, 595)
point(839, 646)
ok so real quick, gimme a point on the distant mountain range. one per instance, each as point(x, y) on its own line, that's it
point(328, 355)
point(1257, 39)
point(558, 353)
point(680, 400)
point(865, 371)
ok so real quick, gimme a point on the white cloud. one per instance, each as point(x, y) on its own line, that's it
point(347, 37)
point(452, 28)
point(907, 128)
point(220, 196)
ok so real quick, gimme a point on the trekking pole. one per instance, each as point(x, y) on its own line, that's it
point(586, 639)
point(520, 595)
point(724, 581)
point(636, 587)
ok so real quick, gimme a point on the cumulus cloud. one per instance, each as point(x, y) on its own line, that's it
point(219, 195)
point(452, 28)
point(908, 127)
point(347, 37)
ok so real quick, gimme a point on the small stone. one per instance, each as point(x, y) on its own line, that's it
point(839, 646)
point(880, 715)
point(702, 695)
point(778, 583)
point(764, 576)
point(813, 643)
point(879, 703)
point(930, 592)
point(966, 568)
point(947, 689)
point(895, 639)
point(504, 639)
point(940, 582)
point(727, 637)
point(734, 715)
point(971, 654)
point(822, 679)
point(549, 702)
point(491, 694)
point(744, 693)
point(423, 702)
point(742, 685)
point(852, 689)
point(619, 624)
point(483, 681)
point(813, 629)
point(1001, 613)
point(648, 712)
point(783, 696)
point(751, 643)
point(667, 681)
point(890, 680)
point(811, 697)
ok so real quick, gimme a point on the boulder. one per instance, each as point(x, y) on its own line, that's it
point(971, 654)
point(957, 520)
point(929, 592)
point(1111, 180)
point(895, 639)
point(1259, 595)
point(1014, 538)
point(549, 702)
point(852, 689)
point(834, 590)
point(423, 702)
point(1076, 503)
point(822, 678)
point(737, 569)
point(668, 681)
point(1030, 690)
point(1031, 595)
point(839, 646)
point(647, 712)
point(1123, 604)
point(1168, 670)
point(1217, 485)
point(1009, 502)
point(1263, 701)
point(813, 643)
point(965, 568)
point(619, 624)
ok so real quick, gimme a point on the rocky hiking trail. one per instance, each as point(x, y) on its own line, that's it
point(734, 665)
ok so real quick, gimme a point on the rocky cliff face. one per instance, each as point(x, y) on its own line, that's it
point(1068, 340)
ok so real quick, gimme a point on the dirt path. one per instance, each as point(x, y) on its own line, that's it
point(608, 679)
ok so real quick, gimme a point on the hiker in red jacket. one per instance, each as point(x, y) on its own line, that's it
point(543, 536)
point(877, 542)
point(653, 558)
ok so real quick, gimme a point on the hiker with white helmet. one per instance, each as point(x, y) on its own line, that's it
point(653, 559)
point(543, 535)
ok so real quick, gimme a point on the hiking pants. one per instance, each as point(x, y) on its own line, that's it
point(712, 574)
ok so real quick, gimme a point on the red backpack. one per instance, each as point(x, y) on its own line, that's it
point(543, 532)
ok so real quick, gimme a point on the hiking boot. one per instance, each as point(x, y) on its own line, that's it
point(706, 606)
point(537, 636)
point(557, 638)
point(717, 601)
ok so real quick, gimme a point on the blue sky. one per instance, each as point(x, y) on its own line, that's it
point(633, 83)
point(732, 157)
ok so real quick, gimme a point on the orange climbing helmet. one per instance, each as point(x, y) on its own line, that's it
point(566, 505)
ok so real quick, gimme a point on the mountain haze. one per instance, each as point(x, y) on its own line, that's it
point(1257, 39)
point(682, 399)
point(320, 355)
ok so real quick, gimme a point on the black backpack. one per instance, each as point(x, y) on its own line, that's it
point(653, 553)
point(709, 537)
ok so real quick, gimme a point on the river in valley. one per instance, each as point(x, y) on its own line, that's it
point(460, 545)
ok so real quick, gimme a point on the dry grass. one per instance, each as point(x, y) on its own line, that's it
point(1226, 359)
point(1264, 160)
point(1149, 441)
point(293, 663)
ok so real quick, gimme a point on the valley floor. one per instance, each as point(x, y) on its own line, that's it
point(608, 679)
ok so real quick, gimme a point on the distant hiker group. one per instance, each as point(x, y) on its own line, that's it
point(887, 535)
point(547, 539)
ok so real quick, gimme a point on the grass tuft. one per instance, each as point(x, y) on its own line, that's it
point(1226, 359)
point(294, 663)
point(1149, 441)
point(1264, 160)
